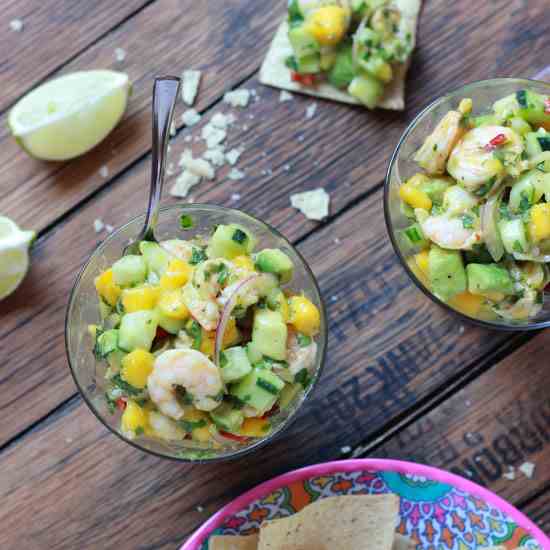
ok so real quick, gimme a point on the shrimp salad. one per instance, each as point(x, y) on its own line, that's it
point(202, 340)
point(479, 212)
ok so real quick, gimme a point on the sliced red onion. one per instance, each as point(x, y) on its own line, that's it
point(489, 229)
point(226, 314)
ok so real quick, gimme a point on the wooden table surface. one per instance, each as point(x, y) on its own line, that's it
point(404, 379)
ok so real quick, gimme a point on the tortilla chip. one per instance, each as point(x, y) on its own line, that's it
point(354, 521)
point(228, 542)
point(275, 73)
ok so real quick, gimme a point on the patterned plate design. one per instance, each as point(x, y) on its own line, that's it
point(439, 511)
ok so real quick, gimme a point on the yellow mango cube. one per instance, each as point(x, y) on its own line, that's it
point(328, 25)
point(422, 261)
point(107, 288)
point(140, 298)
point(255, 427)
point(232, 335)
point(467, 303)
point(134, 418)
point(244, 262)
point(304, 315)
point(172, 305)
point(136, 367)
point(416, 198)
point(539, 224)
point(177, 274)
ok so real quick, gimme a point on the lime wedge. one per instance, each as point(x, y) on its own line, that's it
point(69, 115)
point(14, 255)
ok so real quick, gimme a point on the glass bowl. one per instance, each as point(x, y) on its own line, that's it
point(83, 310)
point(483, 93)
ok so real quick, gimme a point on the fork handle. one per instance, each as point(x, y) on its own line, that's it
point(165, 94)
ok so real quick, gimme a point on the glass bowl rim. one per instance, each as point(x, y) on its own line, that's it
point(323, 335)
point(389, 228)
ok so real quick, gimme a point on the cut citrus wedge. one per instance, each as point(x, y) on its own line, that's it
point(69, 115)
point(14, 255)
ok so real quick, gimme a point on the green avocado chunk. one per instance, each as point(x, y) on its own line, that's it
point(260, 389)
point(483, 278)
point(273, 260)
point(447, 275)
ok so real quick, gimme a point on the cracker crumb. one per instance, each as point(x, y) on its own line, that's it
point(310, 111)
point(213, 136)
point(233, 156)
point(301, 138)
point(345, 449)
point(104, 171)
point(286, 167)
point(285, 96)
point(238, 98)
point(334, 298)
point(198, 167)
point(461, 329)
point(313, 204)
point(222, 121)
point(337, 240)
point(200, 509)
point(190, 117)
point(185, 181)
point(216, 156)
point(17, 25)
point(235, 174)
point(190, 82)
point(109, 228)
point(99, 226)
point(235, 197)
point(527, 469)
point(510, 474)
point(120, 54)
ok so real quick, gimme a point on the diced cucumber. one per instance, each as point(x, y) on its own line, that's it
point(522, 195)
point(289, 394)
point(506, 107)
point(303, 43)
point(532, 107)
point(310, 64)
point(489, 278)
point(137, 330)
point(115, 360)
point(260, 389)
point(435, 189)
point(532, 146)
point(253, 353)
point(367, 90)
point(276, 300)
point(227, 418)
point(230, 241)
point(129, 270)
point(273, 260)
point(235, 365)
point(378, 68)
point(447, 275)
point(173, 326)
point(328, 59)
point(412, 238)
point(520, 126)
point(156, 258)
point(342, 72)
point(106, 343)
point(485, 120)
point(512, 233)
point(269, 334)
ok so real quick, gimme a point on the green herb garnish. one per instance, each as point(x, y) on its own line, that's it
point(121, 384)
point(467, 221)
point(139, 431)
point(517, 247)
point(303, 340)
point(294, 13)
point(525, 202)
point(239, 236)
point(186, 222)
point(111, 403)
point(292, 63)
point(521, 96)
point(223, 274)
point(197, 256)
point(303, 377)
point(486, 187)
point(194, 330)
point(190, 425)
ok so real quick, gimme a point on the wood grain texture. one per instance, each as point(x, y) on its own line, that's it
point(206, 37)
point(388, 348)
point(53, 33)
point(490, 428)
point(539, 510)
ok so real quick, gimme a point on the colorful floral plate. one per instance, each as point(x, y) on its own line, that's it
point(439, 510)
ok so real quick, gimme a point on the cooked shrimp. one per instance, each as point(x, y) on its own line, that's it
point(449, 232)
point(204, 310)
point(207, 277)
point(187, 368)
point(178, 248)
point(437, 147)
point(298, 357)
point(472, 162)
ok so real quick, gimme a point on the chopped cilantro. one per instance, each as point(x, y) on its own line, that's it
point(541, 166)
point(294, 12)
point(239, 236)
point(505, 212)
point(467, 221)
point(197, 256)
point(111, 403)
point(139, 431)
point(517, 247)
point(223, 274)
point(292, 63)
point(525, 202)
point(539, 298)
point(485, 188)
point(190, 425)
point(414, 234)
point(128, 389)
point(303, 377)
point(186, 222)
point(544, 142)
point(434, 148)
point(521, 96)
point(119, 308)
point(267, 386)
point(194, 330)
point(303, 340)
point(223, 360)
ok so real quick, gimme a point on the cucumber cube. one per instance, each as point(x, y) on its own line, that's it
point(487, 278)
point(253, 353)
point(236, 365)
point(137, 330)
point(260, 389)
point(367, 90)
point(156, 258)
point(129, 270)
point(106, 343)
point(302, 42)
point(273, 260)
point(269, 334)
point(173, 326)
point(227, 418)
point(230, 241)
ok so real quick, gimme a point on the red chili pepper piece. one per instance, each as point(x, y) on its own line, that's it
point(234, 437)
point(271, 412)
point(497, 141)
point(547, 106)
point(121, 404)
point(161, 333)
point(304, 79)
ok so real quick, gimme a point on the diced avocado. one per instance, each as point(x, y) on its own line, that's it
point(269, 334)
point(303, 43)
point(288, 395)
point(227, 418)
point(137, 330)
point(173, 326)
point(378, 68)
point(486, 278)
point(532, 107)
point(367, 89)
point(447, 275)
point(277, 301)
point(342, 72)
point(230, 241)
point(260, 389)
point(485, 120)
point(253, 353)
point(273, 260)
point(155, 256)
point(235, 364)
point(328, 58)
point(435, 189)
point(105, 343)
point(309, 64)
point(532, 146)
point(513, 235)
point(129, 270)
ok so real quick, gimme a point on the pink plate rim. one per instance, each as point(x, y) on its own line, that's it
point(353, 465)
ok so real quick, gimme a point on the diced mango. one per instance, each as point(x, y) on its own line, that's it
point(244, 262)
point(539, 224)
point(467, 303)
point(422, 262)
point(202, 435)
point(140, 298)
point(107, 288)
point(416, 198)
point(208, 343)
point(232, 335)
point(177, 274)
point(136, 367)
point(255, 427)
point(465, 106)
point(172, 305)
point(304, 315)
point(134, 418)
point(328, 25)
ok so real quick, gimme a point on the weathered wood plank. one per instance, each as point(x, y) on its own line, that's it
point(389, 347)
point(490, 428)
point(53, 32)
point(211, 42)
point(539, 511)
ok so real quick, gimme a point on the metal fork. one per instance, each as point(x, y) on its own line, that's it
point(165, 93)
